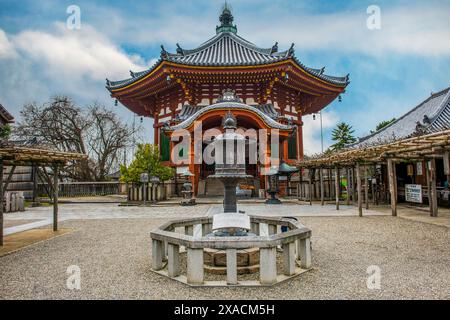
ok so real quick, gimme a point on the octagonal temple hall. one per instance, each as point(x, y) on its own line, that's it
point(270, 89)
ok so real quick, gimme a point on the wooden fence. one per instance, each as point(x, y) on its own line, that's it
point(85, 189)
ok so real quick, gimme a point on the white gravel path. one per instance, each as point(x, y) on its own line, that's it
point(114, 257)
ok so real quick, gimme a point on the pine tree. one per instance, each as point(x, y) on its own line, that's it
point(342, 135)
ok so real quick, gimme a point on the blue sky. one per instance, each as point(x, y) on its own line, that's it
point(391, 69)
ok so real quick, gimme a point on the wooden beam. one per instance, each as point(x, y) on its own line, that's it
point(358, 186)
point(392, 186)
point(337, 186)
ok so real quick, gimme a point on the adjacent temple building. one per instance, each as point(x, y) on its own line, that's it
point(270, 89)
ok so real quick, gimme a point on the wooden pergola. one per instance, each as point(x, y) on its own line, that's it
point(419, 148)
point(14, 156)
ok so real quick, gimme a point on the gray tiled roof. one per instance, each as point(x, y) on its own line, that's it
point(432, 115)
point(6, 117)
point(187, 121)
point(227, 49)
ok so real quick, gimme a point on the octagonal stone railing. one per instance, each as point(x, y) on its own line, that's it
point(295, 244)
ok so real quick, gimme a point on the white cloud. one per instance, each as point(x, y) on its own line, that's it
point(76, 53)
point(6, 47)
point(61, 61)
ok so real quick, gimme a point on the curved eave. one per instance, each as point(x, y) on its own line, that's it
point(226, 106)
point(115, 86)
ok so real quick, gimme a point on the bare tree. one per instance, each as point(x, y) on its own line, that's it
point(95, 131)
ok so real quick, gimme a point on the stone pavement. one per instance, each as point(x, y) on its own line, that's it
point(42, 216)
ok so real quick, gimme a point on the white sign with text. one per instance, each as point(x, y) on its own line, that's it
point(413, 193)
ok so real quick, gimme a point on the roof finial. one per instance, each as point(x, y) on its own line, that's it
point(180, 49)
point(163, 52)
point(226, 19)
point(274, 48)
point(291, 49)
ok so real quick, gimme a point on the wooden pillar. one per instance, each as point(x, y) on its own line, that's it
point(55, 196)
point(358, 186)
point(392, 186)
point(2, 200)
point(447, 165)
point(311, 175)
point(375, 187)
point(366, 187)
point(322, 191)
point(336, 184)
point(3, 188)
point(433, 194)
point(347, 172)
point(35, 184)
point(300, 182)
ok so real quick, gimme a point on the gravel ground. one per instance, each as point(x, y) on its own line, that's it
point(114, 257)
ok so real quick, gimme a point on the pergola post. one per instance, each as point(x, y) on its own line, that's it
point(358, 186)
point(347, 172)
point(55, 196)
point(3, 188)
point(433, 193)
point(366, 187)
point(311, 175)
point(300, 189)
point(392, 186)
point(446, 160)
point(322, 191)
point(337, 183)
point(2, 200)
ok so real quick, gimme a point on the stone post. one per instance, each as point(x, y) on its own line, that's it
point(206, 229)
point(289, 258)
point(195, 266)
point(255, 228)
point(268, 265)
point(230, 200)
point(157, 254)
point(189, 230)
point(174, 260)
point(232, 266)
point(305, 253)
point(272, 229)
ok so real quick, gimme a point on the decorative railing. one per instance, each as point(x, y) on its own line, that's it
point(295, 243)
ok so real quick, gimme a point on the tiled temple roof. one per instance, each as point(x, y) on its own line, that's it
point(189, 119)
point(432, 115)
point(6, 117)
point(227, 49)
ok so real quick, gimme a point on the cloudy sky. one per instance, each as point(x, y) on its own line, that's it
point(391, 69)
